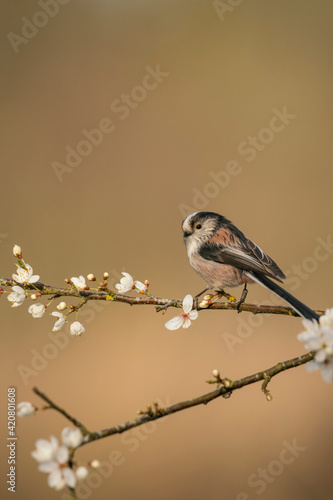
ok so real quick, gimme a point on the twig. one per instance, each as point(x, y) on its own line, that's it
point(158, 412)
point(53, 405)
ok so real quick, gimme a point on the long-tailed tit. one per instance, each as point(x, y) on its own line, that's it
point(224, 257)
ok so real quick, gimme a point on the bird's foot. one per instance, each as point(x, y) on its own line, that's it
point(242, 299)
point(208, 300)
point(228, 296)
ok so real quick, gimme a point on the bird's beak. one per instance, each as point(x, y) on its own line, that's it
point(185, 234)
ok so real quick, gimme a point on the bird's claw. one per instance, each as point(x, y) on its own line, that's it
point(242, 299)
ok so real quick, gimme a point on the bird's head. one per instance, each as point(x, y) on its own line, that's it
point(200, 226)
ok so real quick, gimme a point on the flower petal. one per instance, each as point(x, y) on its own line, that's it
point(69, 477)
point(327, 372)
point(174, 323)
point(57, 314)
point(188, 303)
point(312, 366)
point(48, 467)
point(140, 287)
point(62, 455)
point(127, 275)
point(34, 278)
point(193, 315)
point(55, 480)
point(320, 356)
point(187, 322)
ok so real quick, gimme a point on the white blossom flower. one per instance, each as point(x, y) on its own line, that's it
point(17, 297)
point(318, 336)
point(76, 328)
point(140, 287)
point(95, 464)
point(45, 450)
point(59, 475)
point(60, 322)
point(25, 409)
point(71, 437)
point(81, 473)
point(126, 283)
point(37, 310)
point(185, 318)
point(25, 276)
point(61, 306)
point(79, 283)
point(17, 251)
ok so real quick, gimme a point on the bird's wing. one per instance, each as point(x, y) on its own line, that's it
point(236, 250)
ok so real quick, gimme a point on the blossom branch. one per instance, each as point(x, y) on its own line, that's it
point(148, 299)
point(225, 388)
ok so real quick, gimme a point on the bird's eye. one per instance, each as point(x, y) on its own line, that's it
point(198, 226)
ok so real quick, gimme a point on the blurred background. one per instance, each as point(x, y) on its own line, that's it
point(199, 105)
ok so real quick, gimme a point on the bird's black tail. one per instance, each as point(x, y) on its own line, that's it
point(298, 306)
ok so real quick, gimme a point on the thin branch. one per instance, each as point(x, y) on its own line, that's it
point(53, 405)
point(108, 295)
point(227, 387)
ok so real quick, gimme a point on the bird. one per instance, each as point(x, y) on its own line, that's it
point(224, 257)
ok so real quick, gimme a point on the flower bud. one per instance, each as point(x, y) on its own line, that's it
point(95, 463)
point(37, 310)
point(25, 409)
point(34, 296)
point(105, 276)
point(17, 251)
point(61, 306)
point(81, 473)
point(71, 437)
point(204, 304)
point(76, 328)
point(216, 373)
point(91, 277)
